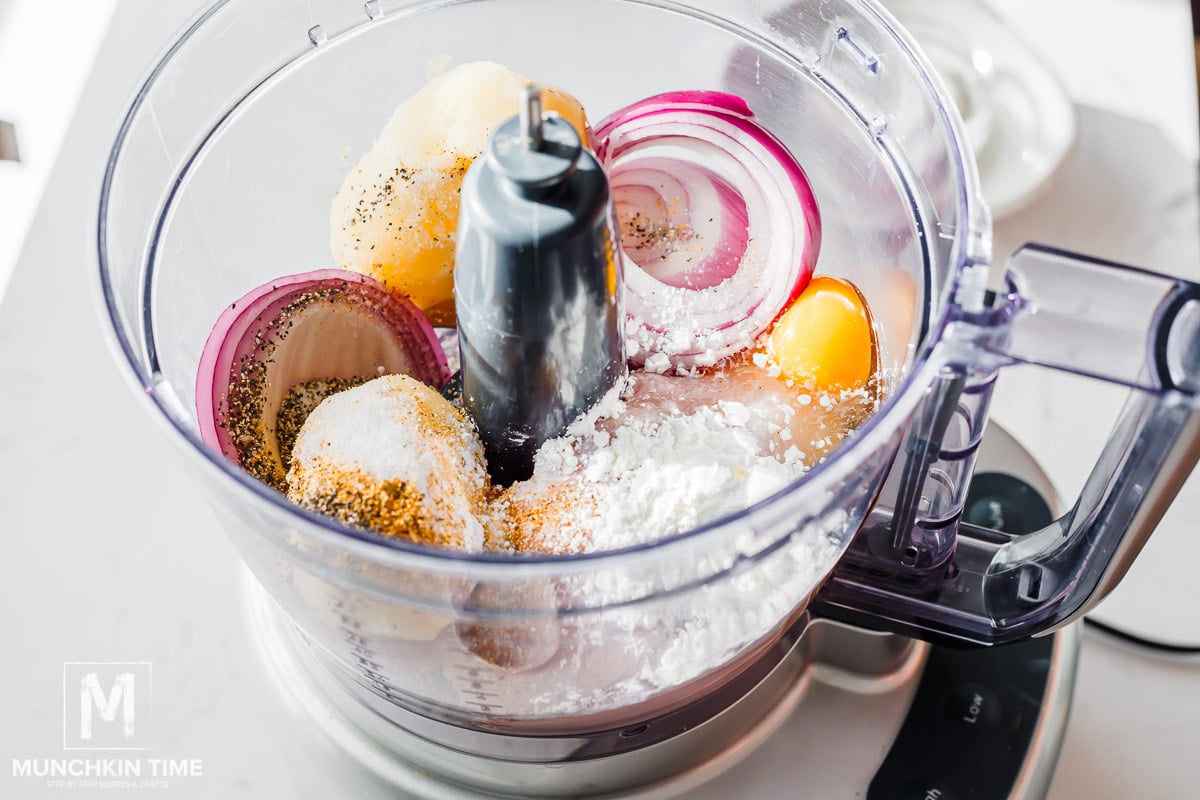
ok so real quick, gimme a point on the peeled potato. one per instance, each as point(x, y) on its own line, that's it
point(395, 216)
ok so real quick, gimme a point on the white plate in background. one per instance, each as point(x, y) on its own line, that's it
point(1019, 118)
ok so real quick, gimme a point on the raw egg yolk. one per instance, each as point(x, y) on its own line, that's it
point(824, 341)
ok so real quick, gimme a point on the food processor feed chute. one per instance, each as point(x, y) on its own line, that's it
point(537, 286)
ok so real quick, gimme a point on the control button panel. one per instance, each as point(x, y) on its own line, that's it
point(973, 707)
point(971, 723)
point(923, 789)
point(970, 726)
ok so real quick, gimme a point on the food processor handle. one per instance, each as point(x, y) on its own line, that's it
point(1134, 328)
point(1074, 314)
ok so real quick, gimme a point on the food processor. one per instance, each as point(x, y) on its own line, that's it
point(646, 670)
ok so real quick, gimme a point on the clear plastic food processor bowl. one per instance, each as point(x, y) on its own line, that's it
point(221, 178)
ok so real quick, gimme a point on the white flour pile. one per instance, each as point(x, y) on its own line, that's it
point(637, 653)
point(663, 462)
point(672, 456)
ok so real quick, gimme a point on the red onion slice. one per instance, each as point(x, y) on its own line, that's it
point(719, 226)
point(324, 325)
point(681, 223)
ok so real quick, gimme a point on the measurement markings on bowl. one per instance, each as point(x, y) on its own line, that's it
point(473, 684)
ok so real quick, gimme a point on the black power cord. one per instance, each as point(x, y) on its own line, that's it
point(1141, 641)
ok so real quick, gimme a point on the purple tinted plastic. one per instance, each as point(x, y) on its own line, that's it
point(1067, 312)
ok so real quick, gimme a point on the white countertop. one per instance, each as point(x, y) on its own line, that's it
point(43, 68)
point(112, 555)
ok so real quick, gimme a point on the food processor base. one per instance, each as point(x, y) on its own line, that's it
point(857, 713)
